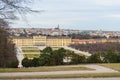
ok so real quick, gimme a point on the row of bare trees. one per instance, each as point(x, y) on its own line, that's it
point(98, 47)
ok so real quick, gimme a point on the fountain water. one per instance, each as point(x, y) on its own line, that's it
point(19, 56)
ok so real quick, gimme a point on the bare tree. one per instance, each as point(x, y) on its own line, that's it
point(7, 50)
point(8, 8)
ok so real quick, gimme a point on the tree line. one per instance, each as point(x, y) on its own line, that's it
point(84, 36)
point(49, 57)
point(97, 47)
point(88, 36)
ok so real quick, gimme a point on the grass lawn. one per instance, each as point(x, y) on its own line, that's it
point(55, 48)
point(115, 66)
point(30, 48)
point(43, 69)
point(85, 75)
point(32, 55)
point(31, 51)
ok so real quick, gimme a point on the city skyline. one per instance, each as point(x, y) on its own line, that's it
point(73, 14)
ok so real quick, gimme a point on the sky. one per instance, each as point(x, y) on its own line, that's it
point(73, 14)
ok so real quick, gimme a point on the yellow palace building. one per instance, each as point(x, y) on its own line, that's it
point(42, 41)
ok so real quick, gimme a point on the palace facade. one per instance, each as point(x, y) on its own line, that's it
point(42, 41)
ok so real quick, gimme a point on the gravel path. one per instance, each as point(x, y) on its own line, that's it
point(76, 79)
point(77, 51)
point(98, 69)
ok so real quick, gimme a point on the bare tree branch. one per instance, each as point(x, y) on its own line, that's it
point(12, 6)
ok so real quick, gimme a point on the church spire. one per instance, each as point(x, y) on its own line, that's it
point(58, 26)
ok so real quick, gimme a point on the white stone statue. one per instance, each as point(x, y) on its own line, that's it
point(19, 56)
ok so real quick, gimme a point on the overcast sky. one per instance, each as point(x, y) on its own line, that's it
point(74, 14)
